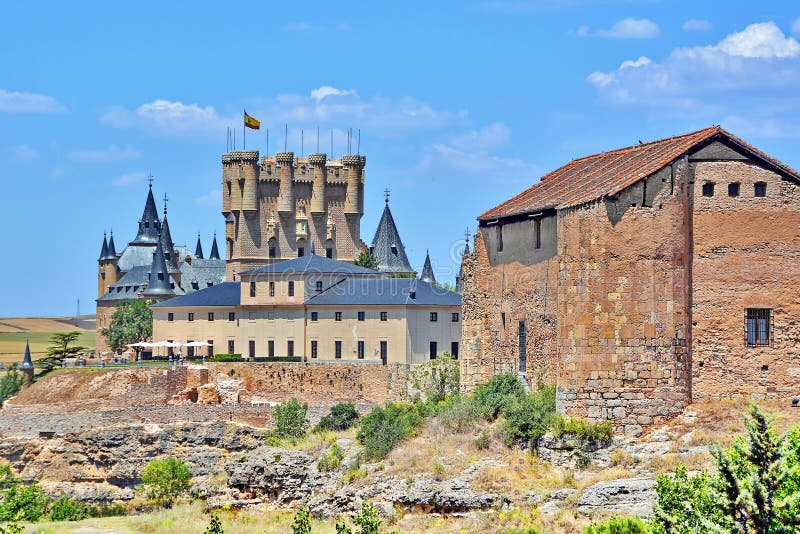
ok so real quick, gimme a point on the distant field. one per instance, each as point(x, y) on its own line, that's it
point(14, 332)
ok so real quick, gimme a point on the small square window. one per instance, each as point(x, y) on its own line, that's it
point(733, 190)
point(210, 316)
point(301, 251)
point(191, 316)
point(760, 189)
point(170, 317)
point(434, 317)
point(454, 317)
point(361, 316)
point(338, 316)
point(231, 316)
point(314, 317)
point(708, 189)
point(319, 285)
point(384, 316)
point(291, 289)
point(758, 326)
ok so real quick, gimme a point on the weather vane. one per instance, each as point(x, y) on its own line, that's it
point(386, 194)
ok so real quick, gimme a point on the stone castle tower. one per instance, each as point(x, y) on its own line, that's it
point(278, 207)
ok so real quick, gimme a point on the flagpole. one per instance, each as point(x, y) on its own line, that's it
point(244, 131)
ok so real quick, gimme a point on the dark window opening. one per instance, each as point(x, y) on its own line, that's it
point(360, 350)
point(503, 320)
point(231, 347)
point(191, 317)
point(522, 338)
point(329, 252)
point(273, 252)
point(760, 189)
point(733, 190)
point(170, 317)
point(161, 276)
point(708, 189)
point(313, 348)
point(765, 367)
point(433, 350)
point(384, 351)
point(319, 286)
point(434, 317)
point(537, 233)
point(272, 289)
point(251, 348)
point(189, 350)
point(231, 316)
point(271, 348)
point(702, 364)
point(290, 348)
point(454, 349)
point(291, 289)
point(499, 238)
point(301, 251)
point(384, 316)
point(314, 316)
point(210, 316)
point(454, 317)
point(170, 350)
point(758, 326)
point(338, 316)
point(644, 195)
point(252, 289)
point(337, 349)
point(210, 348)
point(361, 315)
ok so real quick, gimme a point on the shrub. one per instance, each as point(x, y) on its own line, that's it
point(166, 480)
point(23, 503)
point(385, 427)
point(215, 526)
point(483, 441)
point(341, 417)
point(227, 357)
point(368, 521)
point(332, 459)
point(581, 428)
point(302, 522)
point(67, 509)
point(619, 525)
point(528, 418)
point(10, 385)
point(290, 419)
point(438, 378)
point(490, 398)
point(458, 414)
point(107, 510)
point(685, 501)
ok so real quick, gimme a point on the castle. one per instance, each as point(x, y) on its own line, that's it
point(642, 279)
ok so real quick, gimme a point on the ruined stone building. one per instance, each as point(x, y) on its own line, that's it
point(641, 279)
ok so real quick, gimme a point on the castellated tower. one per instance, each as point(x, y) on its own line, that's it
point(275, 207)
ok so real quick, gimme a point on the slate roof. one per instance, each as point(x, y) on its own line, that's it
point(386, 291)
point(312, 264)
point(134, 256)
point(159, 285)
point(149, 225)
point(198, 249)
point(427, 270)
point(201, 273)
point(387, 247)
point(224, 294)
point(27, 363)
point(103, 249)
point(600, 175)
point(214, 250)
point(112, 249)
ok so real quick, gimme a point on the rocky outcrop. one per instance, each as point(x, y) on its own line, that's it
point(627, 496)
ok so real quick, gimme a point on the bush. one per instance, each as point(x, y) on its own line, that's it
point(528, 417)
point(385, 427)
point(302, 522)
point(458, 414)
point(438, 378)
point(368, 521)
point(215, 526)
point(581, 428)
point(684, 501)
point(67, 509)
point(107, 510)
point(166, 480)
point(10, 384)
point(619, 525)
point(341, 417)
point(483, 441)
point(23, 503)
point(228, 358)
point(332, 459)
point(290, 419)
point(490, 398)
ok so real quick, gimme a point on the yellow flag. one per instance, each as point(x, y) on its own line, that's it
point(251, 122)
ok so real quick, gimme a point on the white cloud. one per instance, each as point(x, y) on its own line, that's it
point(601, 79)
point(130, 179)
point(628, 28)
point(325, 91)
point(169, 117)
point(102, 155)
point(18, 102)
point(209, 199)
point(696, 25)
point(22, 153)
point(643, 61)
point(796, 26)
point(489, 137)
point(760, 40)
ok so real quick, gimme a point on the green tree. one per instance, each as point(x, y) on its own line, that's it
point(131, 322)
point(343, 416)
point(302, 522)
point(490, 398)
point(367, 260)
point(528, 418)
point(290, 419)
point(385, 427)
point(61, 345)
point(685, 504)
point(166, 480)
point(215, 526)
point(10, 384)
point(26, 503)
point(438, 378)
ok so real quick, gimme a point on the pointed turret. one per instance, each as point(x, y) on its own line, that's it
point(159, 284)
point(198, 249)
point(460, 277)
point(26, 367)
point(387, 247)
point(149, 225)
point(214, 249)
point(112, 250)
point(103, 249)
point(427, 270)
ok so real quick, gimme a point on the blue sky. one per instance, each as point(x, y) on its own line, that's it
point(460, 105)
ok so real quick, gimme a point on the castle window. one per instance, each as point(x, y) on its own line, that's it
point(337, 349)
point(170, 317)
point(708, 189)
point(319, 286)
point(314, 317)
point(733, 190)
point(251, 316)
point(209, 284)
point(272, 289)
point(291, 289)
point(338, 316)
point(189, 350)
point(210, 348)
point(454, 317)
point(537, 233)
point(361, 349)
point(361, 315)
point(760, 189)
point(252, 289)
point(231, 316)
point(434, 317)
point(231, 346)
point(251, 348)
point(758, 326)
point(191, 317)
point(433, 350)
point(170, 351)
point(147, 224)
point(301, 251)
point(272, 252)
point(384, 316)
point(499, 238)
point(290, 348)
point(271, 348)
point(210, 316)
point(313, 348)
point(454, 349)
point(329, 252)
point(161, 276)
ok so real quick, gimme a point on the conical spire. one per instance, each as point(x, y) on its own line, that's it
point(214, 249)
point(427, 270)
point(112, 250)
point(27, 363)
point(198, 250)
point(103, 249)
point(159, 284)
point(149, 225)
point(387, 247)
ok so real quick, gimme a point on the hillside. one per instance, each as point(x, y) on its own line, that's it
point(16, 331)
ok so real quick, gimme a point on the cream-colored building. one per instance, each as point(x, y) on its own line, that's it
point(318, 309)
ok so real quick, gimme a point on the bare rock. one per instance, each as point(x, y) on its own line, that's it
point(631, 496)
point(208, 394)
